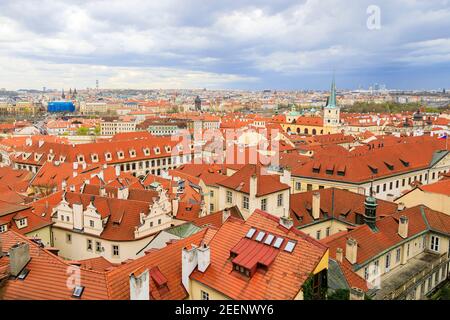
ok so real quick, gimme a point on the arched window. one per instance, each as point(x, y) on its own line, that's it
point(306, 130)
point(314, 131)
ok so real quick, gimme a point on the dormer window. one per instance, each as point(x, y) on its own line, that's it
point(132, 153)
point(146, 151)
point(108, 156)
point(80, 158)
point(22, 223)
point(330, 170)
point(94, 157)
point(405, 163)
point(316, 168)
point(120, 154)
point(37, 156)
point(389, 165)
point(62, 158)
point(50, 157)
point(373, 169)
point(157, 150)
point(168, 149)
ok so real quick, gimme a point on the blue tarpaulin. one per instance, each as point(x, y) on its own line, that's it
point(61, 106)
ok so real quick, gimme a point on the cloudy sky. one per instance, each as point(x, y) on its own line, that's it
point(276, 44)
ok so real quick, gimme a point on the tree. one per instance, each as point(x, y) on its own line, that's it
point(97, 130)
point(82, 131)
point(339, 294)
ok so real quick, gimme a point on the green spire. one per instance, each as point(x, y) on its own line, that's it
point(332, 99)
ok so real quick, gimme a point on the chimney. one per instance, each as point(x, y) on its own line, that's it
point(83, 165)
point(74, 173)
point(253, 186)
point(286, 177)
point(19, 256)
point(356, 294)
point(75, 166)
point(140, 285)
point(117, 171)
point(226, 213)
point(351, 250)
point(370, 212)
point(339, 255)
point(203, 257)
point(316, 205)
point(403, 227)
point(122, 193)
point(286, 222)
point(189, 260)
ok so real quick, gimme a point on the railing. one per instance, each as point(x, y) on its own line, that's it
point(398, 292)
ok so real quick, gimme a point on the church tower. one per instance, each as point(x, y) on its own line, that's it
point(331, 112)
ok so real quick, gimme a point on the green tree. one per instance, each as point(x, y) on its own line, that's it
point(82, 131)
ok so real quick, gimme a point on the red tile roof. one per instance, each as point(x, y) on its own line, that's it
point(283, 278)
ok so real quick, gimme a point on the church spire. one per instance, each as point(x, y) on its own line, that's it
point(332, 99)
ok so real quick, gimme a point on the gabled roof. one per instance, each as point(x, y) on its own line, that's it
point(266, 184)
point(283, 278)
point(47, 279)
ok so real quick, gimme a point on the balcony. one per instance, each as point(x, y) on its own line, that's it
point(400, 281)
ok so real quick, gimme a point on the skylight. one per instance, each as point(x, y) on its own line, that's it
point(250, 233)
point(289, 246)
point(23, 274)
point(278, 242)
point(269, 239)
point(78, 291)
point(260, 236)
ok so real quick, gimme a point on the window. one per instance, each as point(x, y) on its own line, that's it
point(229, 197)
point(91, 223)
point(388, 262)
point(245, 202)
point(397, 184)
point(22, 222)
point(115, 250)
point(384, 187)
point(309, 187)
point(298, 186)
point(376, 266)
point(318, 234)
point(434, 243)
point(403, 182)
point(378, 189)
point(98, 246)
point(211, 207)
point(366, 273)
point(3, 228)
point(280, 200)
point(211, 193)
point(407, 249)
point(205, 295)
point(69, 238)
point(391, 185)
point(398, 255)
point(159, 221)
point(264, 204)
point(327, 232)
point(89, 245)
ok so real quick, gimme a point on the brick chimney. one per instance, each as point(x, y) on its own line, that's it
point(203, 257)
point(286, 221)
point(189, 261)
point(351, 250)
point(339, 255)
point(403, 227)
point(19, 256)
point(316, 205)
point(140, 285)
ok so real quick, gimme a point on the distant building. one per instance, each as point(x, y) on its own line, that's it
point(60, 106)
point(198, 104)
